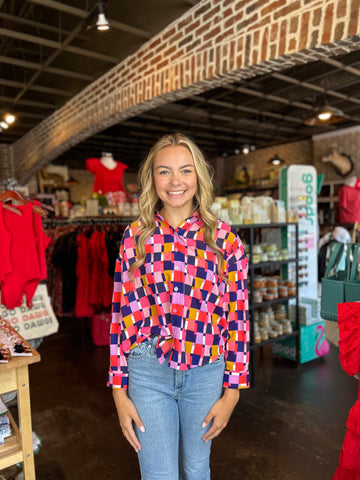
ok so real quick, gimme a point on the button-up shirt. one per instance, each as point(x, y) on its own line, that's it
point(179, 295)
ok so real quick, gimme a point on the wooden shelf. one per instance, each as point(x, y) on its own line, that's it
point(254, 346)
point(10, 450)
point(18, 447)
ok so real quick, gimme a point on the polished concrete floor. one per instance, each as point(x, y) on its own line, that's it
point(289, 427)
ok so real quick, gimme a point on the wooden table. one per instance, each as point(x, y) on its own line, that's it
point(18, 447)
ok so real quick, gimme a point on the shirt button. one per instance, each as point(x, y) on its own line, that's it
point(175, 310)
point(176, 268)
point(176, 289)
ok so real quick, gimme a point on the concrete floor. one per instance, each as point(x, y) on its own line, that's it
point(289, 427)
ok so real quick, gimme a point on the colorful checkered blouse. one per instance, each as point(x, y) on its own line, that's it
point(178, 295)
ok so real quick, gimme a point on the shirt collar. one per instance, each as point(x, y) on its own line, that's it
point(185, 226)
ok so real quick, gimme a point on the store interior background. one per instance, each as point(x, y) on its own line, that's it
point(291, 426)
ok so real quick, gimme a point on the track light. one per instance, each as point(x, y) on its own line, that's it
point(4, 125)
point(102, 23)
point(325, 115)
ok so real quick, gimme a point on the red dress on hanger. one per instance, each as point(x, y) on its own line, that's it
point(27, 256)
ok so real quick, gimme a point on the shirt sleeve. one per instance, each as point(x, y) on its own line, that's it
point(118, 371)
point(236, 373)
point(91, 164)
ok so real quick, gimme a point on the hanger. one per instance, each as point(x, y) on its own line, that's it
point(11, 209)
point(9, 195)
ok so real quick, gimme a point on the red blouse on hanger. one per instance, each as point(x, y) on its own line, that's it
point(106, 180)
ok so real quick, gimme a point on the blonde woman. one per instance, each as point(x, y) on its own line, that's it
point(179, 347)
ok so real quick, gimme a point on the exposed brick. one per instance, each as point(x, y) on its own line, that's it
point(329, 13)
point(240, 5)
point(272, 7)
point(202, 9)
point(192, 46)
point(224, 35)
point(215, 31)
point(247, 49)
point(314, 38)
point(264, 45)
point(284, 12)
point(186, 40)
point(168, 33)
point(203, 29)
point(292, 44)
point(294, 22)
point(273, 51)
point(255, 57)
point(249, 21)
point(341, 9)
point(282, 42)
point(214, 43)
point(354, 17)
point(192, 26)
point(304, 32)
point(339, 31)
point(211, 13)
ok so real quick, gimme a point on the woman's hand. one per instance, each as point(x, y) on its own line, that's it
point(220, 413)
point(127, 413)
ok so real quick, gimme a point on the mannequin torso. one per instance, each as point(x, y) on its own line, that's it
point(108, 161)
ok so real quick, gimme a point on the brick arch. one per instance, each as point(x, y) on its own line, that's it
point(215, 43)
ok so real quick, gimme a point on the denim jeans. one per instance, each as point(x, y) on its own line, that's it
point(172, 405)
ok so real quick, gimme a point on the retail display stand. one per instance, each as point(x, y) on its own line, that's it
point(14, 376)
point(286, 229)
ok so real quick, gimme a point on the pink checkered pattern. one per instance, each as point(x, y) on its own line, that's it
point(179, 296)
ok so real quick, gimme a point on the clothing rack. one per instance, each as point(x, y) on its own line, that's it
point(101, 220)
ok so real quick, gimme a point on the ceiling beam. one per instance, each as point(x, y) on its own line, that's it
point(77, 12)
point(29, 103)
point(40, 67)
point(40, 25)
point(316, 88)
point(57, 45)
point(36, 88)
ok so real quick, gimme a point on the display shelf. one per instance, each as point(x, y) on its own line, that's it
point(10, 450)
point(251, 188)
point(272, 340)
point(268, 303)
point(273, 263)
point(259, 266)
point(18, 447)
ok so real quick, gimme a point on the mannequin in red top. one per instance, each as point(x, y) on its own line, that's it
point(108, 173)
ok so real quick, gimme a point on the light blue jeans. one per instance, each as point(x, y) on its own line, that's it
point(172, 405)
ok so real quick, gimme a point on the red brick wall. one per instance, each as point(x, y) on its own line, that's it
point(6, 162)
point(214, 43)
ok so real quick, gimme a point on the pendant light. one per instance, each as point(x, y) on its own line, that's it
point(276, 160)
point(325, 115)
point(102, 23)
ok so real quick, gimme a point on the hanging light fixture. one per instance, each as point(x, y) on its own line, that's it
point(102, 23)
point(276, 160)
point(325, 115)
point(9, 118)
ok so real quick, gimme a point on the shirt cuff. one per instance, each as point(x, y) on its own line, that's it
point(236, 379)
point(117, 380)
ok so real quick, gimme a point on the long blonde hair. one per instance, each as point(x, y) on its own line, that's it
point(149, 202)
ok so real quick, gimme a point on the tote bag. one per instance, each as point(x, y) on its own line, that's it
point(333, 286)
point(352, 285)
